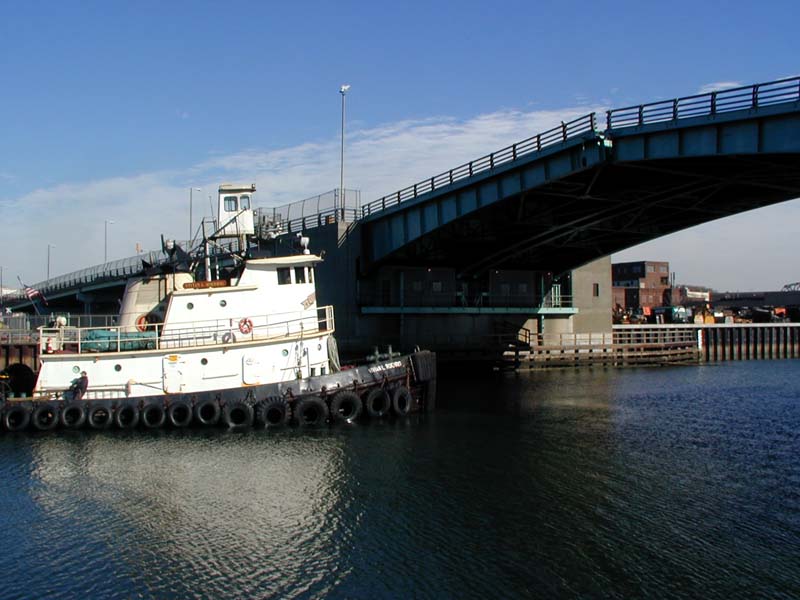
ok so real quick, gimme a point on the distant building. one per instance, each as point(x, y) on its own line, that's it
point(689, 295)
point(641, 284)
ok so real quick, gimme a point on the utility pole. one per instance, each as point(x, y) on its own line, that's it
point(343, 92)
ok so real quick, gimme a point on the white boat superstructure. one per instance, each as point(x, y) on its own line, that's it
point(256, 322)
point(263, 327)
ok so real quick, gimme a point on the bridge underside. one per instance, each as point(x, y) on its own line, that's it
point(611, 206)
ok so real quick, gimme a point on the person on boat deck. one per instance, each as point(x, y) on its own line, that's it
point(79, 386)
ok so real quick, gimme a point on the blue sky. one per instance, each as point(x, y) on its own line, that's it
point(113, 110)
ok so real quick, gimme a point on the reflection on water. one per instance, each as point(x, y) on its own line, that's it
point(674, 482)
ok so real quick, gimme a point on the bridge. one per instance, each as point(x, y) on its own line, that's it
point(595, 186)
point(545, 205)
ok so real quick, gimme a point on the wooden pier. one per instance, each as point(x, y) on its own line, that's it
point(636, 345)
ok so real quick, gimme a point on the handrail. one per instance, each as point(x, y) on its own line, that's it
point(98, 340)
point(702, 105)
point(534, 144)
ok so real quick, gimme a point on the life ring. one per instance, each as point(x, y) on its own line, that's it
point(245, 326)
point(141, 323)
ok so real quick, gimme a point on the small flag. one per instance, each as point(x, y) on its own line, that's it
point(32, 293)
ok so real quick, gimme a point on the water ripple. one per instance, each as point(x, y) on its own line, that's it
point(611, 484)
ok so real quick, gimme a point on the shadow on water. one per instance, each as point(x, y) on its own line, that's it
point(660, 482)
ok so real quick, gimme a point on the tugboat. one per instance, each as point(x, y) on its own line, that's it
point(217, 337)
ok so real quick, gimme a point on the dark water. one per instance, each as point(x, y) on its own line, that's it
point(678, 482)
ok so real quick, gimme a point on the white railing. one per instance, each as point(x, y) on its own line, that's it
point(94, 340)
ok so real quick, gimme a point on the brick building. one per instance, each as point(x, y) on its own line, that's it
point(641, 284)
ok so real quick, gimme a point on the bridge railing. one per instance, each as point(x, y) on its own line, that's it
point(537, 143)
point(312, 212)
point(701, 105)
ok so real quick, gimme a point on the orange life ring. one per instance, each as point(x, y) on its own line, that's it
point(141, 323)
point(245, 326)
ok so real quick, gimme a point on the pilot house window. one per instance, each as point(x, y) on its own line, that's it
point(284, 276)
point(244, 202)
point(299, 275)
point(230, 204)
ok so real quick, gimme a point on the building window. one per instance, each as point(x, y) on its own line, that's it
point(523, 288)
point(662, 268)
point(596, 290)
point(505, 289)
point(299, 274)
point(416, 286)
point(284, 276)
point(651, 269)
point(436, 286)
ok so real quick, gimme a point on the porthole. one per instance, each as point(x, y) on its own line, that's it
point(223, 303)
point(319, 346)
point(190, 306)
point(203, 361)
point(76, 369)
point(285, 352)
point(118, 368)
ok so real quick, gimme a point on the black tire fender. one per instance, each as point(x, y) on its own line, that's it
point(402, 400)
point(126, 416)
point(237, 414)
point(311, 411)
point(377, 403)
point(346, 406)
point(16, 418)
point(179, 413)
point(73, 415)
point(99, 416)
point(207, 412)
point(153, 415)
point(45, 417)
point(272, 412)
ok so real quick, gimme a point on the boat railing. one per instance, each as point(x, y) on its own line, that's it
point(158, 336)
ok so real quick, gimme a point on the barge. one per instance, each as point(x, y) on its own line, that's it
point(217, 338)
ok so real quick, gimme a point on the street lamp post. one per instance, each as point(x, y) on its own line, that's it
point(105, 240)
point(48, 259)
point(343, 92)
point(191, 230)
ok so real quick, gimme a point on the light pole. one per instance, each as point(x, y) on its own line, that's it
point(105, 240)
point(343, 92)
point(48, 259)
point(191, 191)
